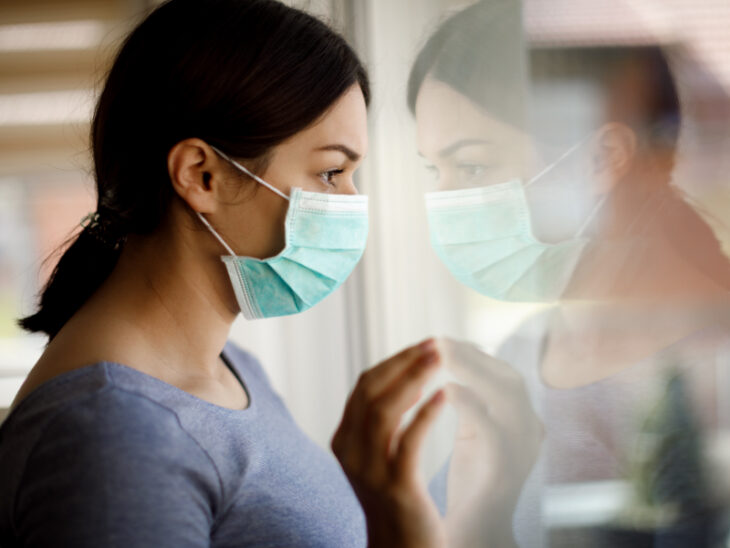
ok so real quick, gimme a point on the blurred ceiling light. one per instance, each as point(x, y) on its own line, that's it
point(62, 35)
point(46, 108)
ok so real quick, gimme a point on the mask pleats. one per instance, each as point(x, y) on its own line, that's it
point(270, 292)
point(485, 239)
point(303, 282)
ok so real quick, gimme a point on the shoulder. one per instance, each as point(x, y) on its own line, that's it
point(115, 425)
point(119, 410)
point(116, 463)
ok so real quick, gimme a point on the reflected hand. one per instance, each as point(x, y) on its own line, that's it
point(497, 441)
point(381, 461)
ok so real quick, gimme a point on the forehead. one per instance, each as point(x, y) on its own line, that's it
point(344, 122)
point(443, 116)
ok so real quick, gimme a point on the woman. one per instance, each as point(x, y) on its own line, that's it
point(224, 145)
point(638, 280)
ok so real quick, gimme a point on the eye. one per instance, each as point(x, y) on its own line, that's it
point(470, 173)
point(328, 177)
point(472, 170)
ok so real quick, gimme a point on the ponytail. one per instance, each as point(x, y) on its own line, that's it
point(83, 267)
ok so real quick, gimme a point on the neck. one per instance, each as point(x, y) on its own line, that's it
point(588, 342)
point(166, 306)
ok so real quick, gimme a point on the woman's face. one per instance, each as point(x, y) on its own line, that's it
point(321, 158)
point(466, 147)
point(463, 145)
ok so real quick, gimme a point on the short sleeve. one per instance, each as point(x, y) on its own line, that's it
point(116, 470)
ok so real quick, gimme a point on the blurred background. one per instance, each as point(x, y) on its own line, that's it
point(53, 58)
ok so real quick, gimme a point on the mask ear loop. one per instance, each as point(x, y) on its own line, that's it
point(591, 215)
point(252, 175)
point(212, 230)
point(564, 155)
point(556, 162)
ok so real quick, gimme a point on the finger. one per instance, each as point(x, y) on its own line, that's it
point(493, 379)
point(467, 400)
point(347, 422)
point(466, 359)
point(373, 382)
point(385, 413)
point(472, 412)
point(377, 379)
point(410, 441)
point(346, 440)
point(349, 434)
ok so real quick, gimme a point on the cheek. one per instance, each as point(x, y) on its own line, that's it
point(514, 160)
point(270, 233)
point(558, 210)
point(257, 224)
point(312, 185)
point(502, 174)
point(302, 176)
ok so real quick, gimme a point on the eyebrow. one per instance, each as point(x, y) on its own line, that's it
point(347, 151)
point(453, 147)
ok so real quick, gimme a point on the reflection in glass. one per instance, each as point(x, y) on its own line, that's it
point(566, 152)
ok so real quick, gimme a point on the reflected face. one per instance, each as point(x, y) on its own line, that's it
point(462, 144)
point(466, 147)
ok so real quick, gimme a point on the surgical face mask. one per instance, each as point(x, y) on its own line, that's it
point(325, 238)
point(484, 237)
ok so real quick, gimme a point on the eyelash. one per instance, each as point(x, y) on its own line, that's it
point(473, 170)
point(325, 175)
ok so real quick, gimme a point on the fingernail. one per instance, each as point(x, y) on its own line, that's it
point(432, 356)
point(427, 345)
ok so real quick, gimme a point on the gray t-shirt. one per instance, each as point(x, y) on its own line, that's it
point(106, 455)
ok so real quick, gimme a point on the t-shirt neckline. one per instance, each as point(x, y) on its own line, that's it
point(227, 410)
point(77, 371)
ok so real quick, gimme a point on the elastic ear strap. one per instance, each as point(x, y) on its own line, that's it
point(212, 230)
point(250, 174)
point(556, 162)
point(592, 214)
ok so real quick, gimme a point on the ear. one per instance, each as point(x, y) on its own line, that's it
point(614, 151)
point(196, 173)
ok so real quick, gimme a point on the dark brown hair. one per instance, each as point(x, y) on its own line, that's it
point(243, 75)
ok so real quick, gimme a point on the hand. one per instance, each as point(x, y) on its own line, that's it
point(497, 441)
point(381, 460)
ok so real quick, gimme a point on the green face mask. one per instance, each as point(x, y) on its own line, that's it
point(325, 238)
point(484, 237)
